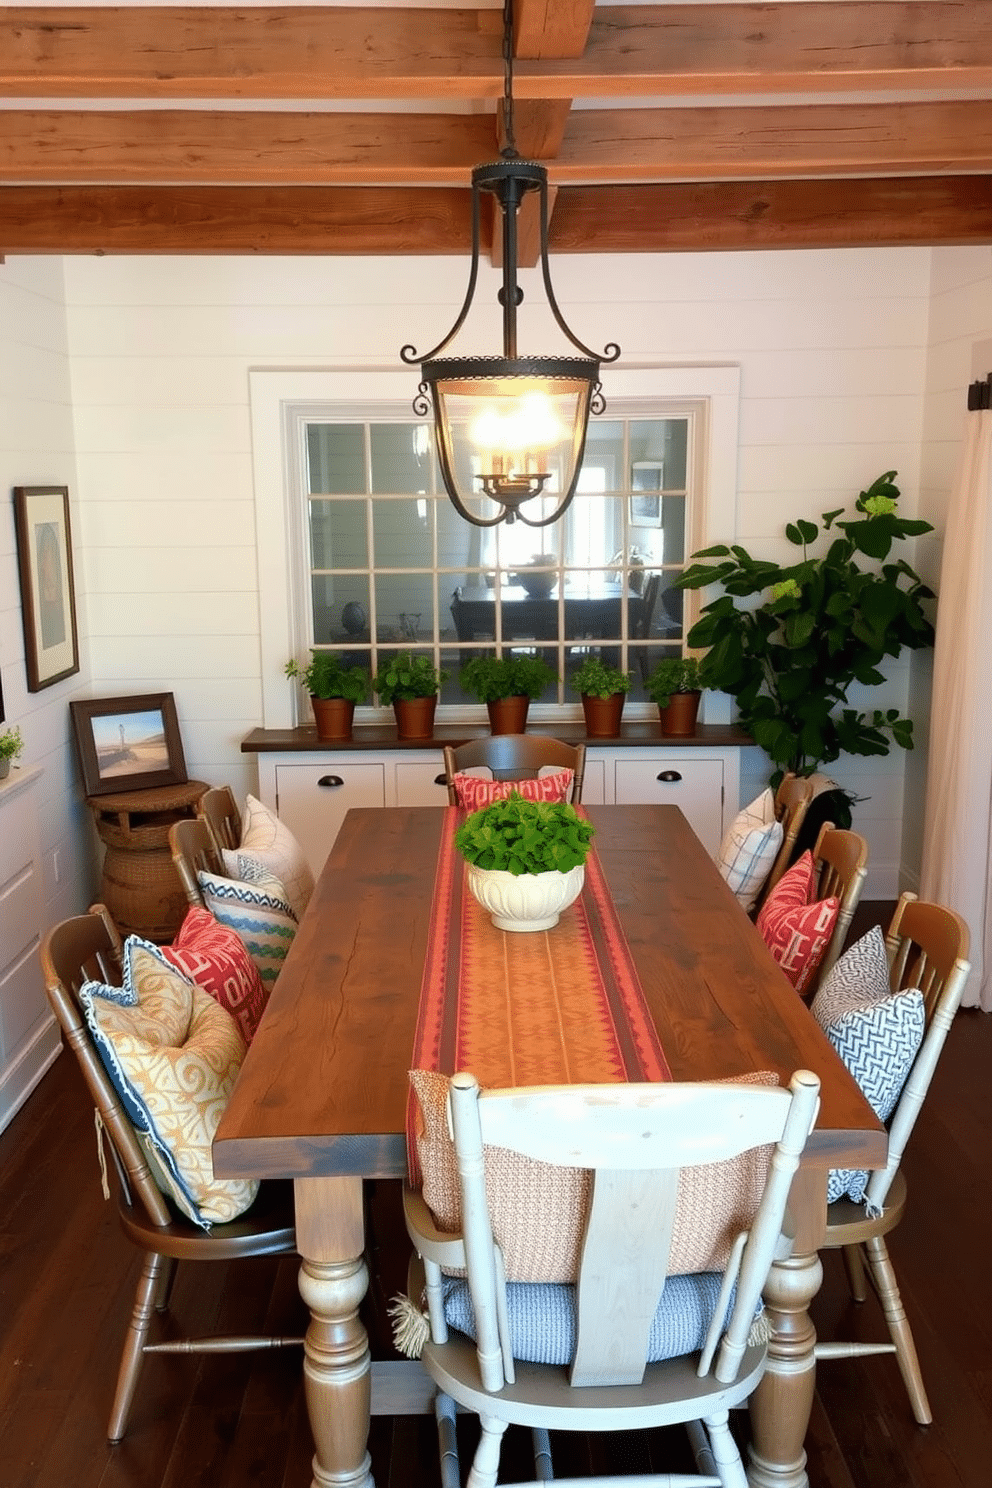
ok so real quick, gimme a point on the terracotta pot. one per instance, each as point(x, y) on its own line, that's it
point(509, 715)
point(333, 717)
point(678, 720)
point(415, 717)
point(603, 714)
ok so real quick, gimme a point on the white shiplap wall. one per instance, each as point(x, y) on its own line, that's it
point(36, 449)
point(832, 348)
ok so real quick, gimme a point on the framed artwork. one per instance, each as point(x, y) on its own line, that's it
point(647, 484)
point(48, 599)
point(128, 743)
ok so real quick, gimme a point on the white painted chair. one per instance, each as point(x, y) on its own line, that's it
point(635, 1138)
point(926, 945)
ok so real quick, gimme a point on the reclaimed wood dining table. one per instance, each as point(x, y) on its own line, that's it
point(322, 1095)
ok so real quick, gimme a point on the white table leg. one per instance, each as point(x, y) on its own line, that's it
point(330, 1234)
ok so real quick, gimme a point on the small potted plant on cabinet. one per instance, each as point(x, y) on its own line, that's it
point(334, 689)
point(676, 686)
point(507, 685)
point(603, 690)
point(526, 860)
point(11, 745)
point(411, 682)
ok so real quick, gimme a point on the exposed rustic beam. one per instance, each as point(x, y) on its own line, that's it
point(591, 219)
point(591, 146)
point(267, 52)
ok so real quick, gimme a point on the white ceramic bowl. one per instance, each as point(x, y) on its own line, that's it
point(525, 901)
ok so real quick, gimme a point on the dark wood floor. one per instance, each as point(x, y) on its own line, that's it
point(67, 1278)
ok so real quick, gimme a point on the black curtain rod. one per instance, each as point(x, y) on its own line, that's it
point(980, 394)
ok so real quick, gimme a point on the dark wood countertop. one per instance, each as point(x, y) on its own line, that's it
point(373, 737)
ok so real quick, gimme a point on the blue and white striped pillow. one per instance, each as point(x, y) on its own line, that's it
point(261, 914)
point(749, 848)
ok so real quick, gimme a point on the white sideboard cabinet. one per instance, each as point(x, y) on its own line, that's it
point(29, 1037)
point(311, 786)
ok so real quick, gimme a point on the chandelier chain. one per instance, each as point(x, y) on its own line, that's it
point(510, 148)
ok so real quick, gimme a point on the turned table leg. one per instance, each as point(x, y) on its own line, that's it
point(330, 1236)
point(783, 1401)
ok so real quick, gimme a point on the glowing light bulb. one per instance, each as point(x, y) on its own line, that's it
point(517, 437)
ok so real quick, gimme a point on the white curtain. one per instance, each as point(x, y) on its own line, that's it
point(957, 842)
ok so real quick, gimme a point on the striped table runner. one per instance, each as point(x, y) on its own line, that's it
point(561, 1006)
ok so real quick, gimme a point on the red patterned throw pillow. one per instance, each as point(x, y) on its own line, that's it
point(213, 956)
point(474, 793)
point(796, 929)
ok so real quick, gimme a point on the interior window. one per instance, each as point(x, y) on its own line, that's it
point(391, 564)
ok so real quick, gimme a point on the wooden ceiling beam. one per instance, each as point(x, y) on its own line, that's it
point(665, 50)
point(403, 220)
point(594, 147)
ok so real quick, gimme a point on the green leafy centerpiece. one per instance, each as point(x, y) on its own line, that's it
point(526, 860)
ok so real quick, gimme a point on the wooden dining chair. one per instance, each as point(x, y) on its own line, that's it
point(220, 811)
point(89, 947)
point(840, 860)
point(192, 845)
point(594, 1356)
point(515, 757)
point(926, 945)
point(792, 800)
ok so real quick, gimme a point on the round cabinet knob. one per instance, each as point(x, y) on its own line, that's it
point(670, 777)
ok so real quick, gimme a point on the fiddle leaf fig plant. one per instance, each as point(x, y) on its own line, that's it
point(823, 623)
point(518, 836)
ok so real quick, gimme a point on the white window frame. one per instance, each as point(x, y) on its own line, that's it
point(280, 399)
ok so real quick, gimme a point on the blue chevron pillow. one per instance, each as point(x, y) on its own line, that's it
point(261, 914)
point(876, 1032)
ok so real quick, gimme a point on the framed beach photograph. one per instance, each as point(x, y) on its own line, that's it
point(48, 599)
point(647, 483)
point(128, 743)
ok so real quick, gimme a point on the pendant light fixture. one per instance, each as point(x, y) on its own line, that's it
point(509, 427)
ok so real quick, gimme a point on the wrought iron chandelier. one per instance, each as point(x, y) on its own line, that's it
point(509, 427)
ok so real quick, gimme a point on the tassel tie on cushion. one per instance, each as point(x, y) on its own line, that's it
point(411, 1328)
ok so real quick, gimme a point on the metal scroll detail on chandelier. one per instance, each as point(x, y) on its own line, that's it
point(508, 426)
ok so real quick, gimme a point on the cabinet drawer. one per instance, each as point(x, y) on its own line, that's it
point(417, 782)
point(694, 785)
point(594, 783)
point(312, 800)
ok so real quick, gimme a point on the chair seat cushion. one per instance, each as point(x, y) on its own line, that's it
point(473, 792)
point(542, 1317)
point(795, 927)
point(214, 957)
point(259, 912)
point(173, 1055)
point(539, 1209)
point(268, 845)
point(749, 848)
point(876, 1032)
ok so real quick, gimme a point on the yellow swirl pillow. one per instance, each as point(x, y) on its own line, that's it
point(173, 1054)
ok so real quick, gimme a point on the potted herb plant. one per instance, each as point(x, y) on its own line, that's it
point(411, 682)
point(676, 685)
point(526, 860)
point(507, 685)
point(603, 690)
point(823, 624)
point(334, 687)
point(11, 745)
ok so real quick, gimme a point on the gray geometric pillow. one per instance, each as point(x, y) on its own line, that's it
point(875, 1032)
point(860, 976)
